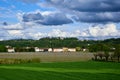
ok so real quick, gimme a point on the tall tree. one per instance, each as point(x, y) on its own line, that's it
point(3, 48)
point(117, 51)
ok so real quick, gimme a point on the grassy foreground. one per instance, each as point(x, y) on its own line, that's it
point(61, 71)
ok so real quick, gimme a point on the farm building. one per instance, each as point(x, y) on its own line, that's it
point(65, 49)
point(50, 50)
point(57, 50)
point(43, 49)
point(39, 49)
point(11, 50)
point(84, 49)
point(71, 49)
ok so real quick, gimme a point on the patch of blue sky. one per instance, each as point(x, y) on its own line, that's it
point(118, 26)
point(9, 20)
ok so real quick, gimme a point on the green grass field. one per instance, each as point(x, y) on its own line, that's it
point(61, 71)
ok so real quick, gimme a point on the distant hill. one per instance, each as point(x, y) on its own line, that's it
point(57, 42)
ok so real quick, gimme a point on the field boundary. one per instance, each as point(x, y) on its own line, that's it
point(49, 56)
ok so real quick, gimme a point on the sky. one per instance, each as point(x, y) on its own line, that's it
point(35, 19)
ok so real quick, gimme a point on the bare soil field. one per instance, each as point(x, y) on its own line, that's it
point(49, 56)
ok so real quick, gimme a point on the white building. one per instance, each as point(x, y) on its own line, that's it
point(37, 49)
point(41, 50)
point(57, 50)
point(84, 50)
point(11, 50)
point(71, 49)
point(50, 50)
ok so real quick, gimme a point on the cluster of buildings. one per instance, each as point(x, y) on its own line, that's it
point(64, 49)
point(10, 49)
point(37, 49)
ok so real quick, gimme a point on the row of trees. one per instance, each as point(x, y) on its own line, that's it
point(58, 42)
point(104, 51)
point(23, 49)
point(106, 46)
point(3, 48)
point(117, 51)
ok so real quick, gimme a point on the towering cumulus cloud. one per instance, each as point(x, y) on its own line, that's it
point(106, 30)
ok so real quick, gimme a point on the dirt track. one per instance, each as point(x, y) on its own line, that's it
point(50, 56)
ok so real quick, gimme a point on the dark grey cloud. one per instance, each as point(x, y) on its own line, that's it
point(87, 5)
point(89, 11)
point(56, 19)
point(51, 19)
point(5, 23)
point(32, 17)
point(98, 17)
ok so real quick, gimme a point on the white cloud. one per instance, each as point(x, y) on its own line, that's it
point(35, 36)
point(3, 33)
point(34, 31)
point(85, 33)
point(104, 30)
point(13, 31)
point(61, 33)
point(15, 34)
point(19, 16)
point(57, 33)
point(17, 26)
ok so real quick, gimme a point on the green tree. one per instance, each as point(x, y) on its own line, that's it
point(117, 51)
point(106, 54)
point(106, 49)
point(78, 48)
point(3, 48)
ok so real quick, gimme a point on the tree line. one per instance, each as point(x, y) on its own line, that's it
point(104, 46)
point(58, 42)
